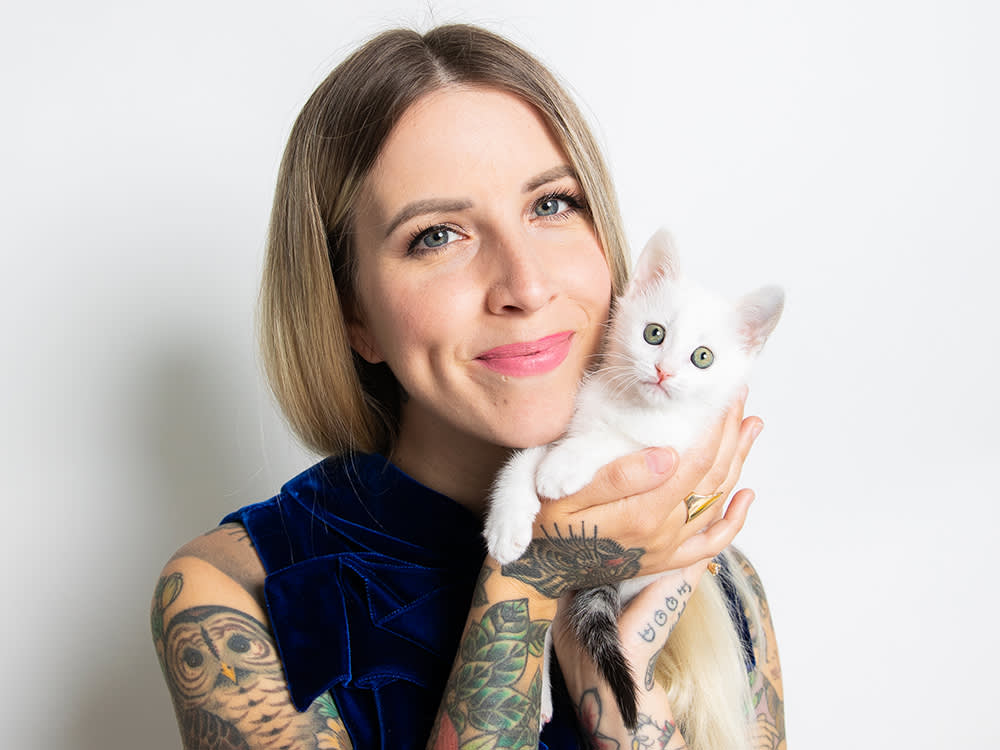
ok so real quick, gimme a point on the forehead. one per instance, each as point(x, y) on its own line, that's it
point(462, 142)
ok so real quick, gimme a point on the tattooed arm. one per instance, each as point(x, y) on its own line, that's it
point(629, 520)
point(219, 658)
point(766, 689)
point(494, 690)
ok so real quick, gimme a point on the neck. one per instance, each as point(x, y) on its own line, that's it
point(460, 468)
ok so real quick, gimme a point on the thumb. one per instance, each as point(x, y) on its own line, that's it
point(628, 476)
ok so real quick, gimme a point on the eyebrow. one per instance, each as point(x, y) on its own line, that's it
point(445, 205)
point(427, 206)
point(549, 175)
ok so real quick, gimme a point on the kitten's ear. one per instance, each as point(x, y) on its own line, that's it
point(658, 260)
point(758, 314)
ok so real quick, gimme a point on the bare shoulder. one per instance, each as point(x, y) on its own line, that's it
point(766, 686)
point(229, 551)
point(219, 658)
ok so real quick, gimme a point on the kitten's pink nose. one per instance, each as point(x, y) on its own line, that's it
point(661, 375)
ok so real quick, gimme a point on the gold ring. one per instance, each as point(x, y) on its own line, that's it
point(698, 504)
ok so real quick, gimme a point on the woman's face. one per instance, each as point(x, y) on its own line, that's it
point(481, 282)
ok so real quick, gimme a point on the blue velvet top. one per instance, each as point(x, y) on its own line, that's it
point(369, 579)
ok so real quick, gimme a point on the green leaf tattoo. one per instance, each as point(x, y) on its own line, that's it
point(485, 694)
point(501, 708)
point(557, 564)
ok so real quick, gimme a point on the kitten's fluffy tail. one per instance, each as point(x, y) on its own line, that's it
point(594, 617)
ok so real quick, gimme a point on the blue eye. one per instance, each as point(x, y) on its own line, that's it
point(549, 206)
point(654, 334)
point(437, 238)
point(702, 358)
point(432, 239)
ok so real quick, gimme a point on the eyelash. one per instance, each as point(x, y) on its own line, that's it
point(574, 202)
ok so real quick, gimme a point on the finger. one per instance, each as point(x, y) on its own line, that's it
point(750, 429)
point(729, 443)
point(718, 535)
point(634, 474)
point(744, 438)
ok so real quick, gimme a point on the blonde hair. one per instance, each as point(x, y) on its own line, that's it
point(338, 403)
point(703, 665)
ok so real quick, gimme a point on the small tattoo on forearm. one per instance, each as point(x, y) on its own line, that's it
point(650, 733)
point(673, 609)
point(651, 671)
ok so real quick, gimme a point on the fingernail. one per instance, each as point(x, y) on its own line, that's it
point(659, 461)
point(758, 428)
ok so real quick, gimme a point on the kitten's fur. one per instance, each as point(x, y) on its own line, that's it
point(627, 405)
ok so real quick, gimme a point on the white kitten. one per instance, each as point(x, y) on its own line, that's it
point(674, 358)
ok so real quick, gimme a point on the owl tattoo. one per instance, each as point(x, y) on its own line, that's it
point(227, 683)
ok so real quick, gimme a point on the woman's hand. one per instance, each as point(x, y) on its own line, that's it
point(632, 519)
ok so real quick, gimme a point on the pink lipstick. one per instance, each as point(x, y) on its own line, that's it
point(529, 357)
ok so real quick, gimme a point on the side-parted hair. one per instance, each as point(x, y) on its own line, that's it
point(336, 401)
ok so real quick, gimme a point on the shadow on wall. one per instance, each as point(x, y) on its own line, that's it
point(195, 455)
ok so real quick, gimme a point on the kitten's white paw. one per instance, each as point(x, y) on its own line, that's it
point(556, 479)
point(509, 534)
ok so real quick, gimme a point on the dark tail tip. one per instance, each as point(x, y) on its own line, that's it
point(594, 616)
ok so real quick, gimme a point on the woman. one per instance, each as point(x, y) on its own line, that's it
point(444, 248)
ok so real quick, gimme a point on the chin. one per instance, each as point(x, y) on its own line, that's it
point(537, 426)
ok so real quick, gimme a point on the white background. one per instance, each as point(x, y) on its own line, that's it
point(846, 150)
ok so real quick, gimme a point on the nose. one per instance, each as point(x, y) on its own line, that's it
point(661, 375)
point(520, 280)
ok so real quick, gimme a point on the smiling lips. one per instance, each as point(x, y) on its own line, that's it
point(529, 357)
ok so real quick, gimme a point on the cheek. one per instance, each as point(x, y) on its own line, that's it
point(588, 278)
point(411, 319)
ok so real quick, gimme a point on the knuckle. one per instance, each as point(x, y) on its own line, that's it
point(717, 475)
point(701, 462)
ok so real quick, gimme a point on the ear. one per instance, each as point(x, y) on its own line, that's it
point(758, 314)
point(658, 260)
point(360, 335)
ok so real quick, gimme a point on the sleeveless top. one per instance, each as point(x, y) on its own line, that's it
point(369, 580)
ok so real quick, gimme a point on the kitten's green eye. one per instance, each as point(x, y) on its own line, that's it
point(702, 357)
point(654, 334)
